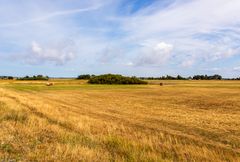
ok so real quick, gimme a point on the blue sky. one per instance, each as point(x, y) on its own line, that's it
point(130, 37)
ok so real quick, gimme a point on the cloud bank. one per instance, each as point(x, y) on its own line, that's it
point(179, 37)
point(59, 54)
point(154, 54)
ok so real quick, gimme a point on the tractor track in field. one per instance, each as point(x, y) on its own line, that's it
point(192, 138)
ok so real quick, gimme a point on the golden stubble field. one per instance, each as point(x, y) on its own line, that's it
point(74, 121)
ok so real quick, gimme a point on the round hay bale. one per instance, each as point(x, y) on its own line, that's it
point(49, 84)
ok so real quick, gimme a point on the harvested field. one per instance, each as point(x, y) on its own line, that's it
point(74, 121)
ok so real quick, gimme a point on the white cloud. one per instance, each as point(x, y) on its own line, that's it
point(186, 33)
point(36, 48)
point(164, 47)
point(187, 63)
point(214, 69)
point(154, 54)
point(51, 15)
point(111, 53)
point(185, 24)
point(129, 64)
point(58, 54)
point(236, 68)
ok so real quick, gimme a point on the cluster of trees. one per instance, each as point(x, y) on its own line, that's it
point(7, 77)
point(206, 77)
point(85, 76)
point(119, 79)
point(167, 77)
point(179, 77)
point(102, 78)
point(233, 78)
point(114, 79)
point(34, 77)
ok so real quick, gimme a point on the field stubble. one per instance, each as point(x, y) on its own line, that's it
point(74, 121)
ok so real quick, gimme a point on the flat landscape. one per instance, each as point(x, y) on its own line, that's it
point(76, 121)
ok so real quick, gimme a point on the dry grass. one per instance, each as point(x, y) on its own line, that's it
point(73, 121)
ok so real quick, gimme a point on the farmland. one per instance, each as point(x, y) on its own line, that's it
point(76, 121)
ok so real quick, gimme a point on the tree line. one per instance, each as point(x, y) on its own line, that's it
point(7, 77)
point(195, 77)
point(206, 77)
point(85, 76)
point(167, 77)
point(34, 77)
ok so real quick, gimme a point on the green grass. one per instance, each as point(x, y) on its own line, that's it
point(74, 85)
point(40, 87)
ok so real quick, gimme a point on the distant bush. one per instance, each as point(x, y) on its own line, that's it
point(38, 77)
point(206, 77)
point(167, 77)
point(115, 79)
point(236, 78)
point(7, 77)
point(85, 76)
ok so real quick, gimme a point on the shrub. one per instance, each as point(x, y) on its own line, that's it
point(7, 77)
point(85, 76)
point(206, 77)
point(167, 77)
point(115, 79)
point(38, 77)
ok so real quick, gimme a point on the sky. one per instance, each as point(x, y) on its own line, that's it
point(65, 38)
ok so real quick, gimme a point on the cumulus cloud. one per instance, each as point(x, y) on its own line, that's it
point(111, 53)
point(58, 54)
point(154, 54)
point(187, 63)
point(187, 33)
point(129, 64)
point(205, 30)
point(214, 69)
point(236, 68)
point(221, 52)
point(49, 16)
